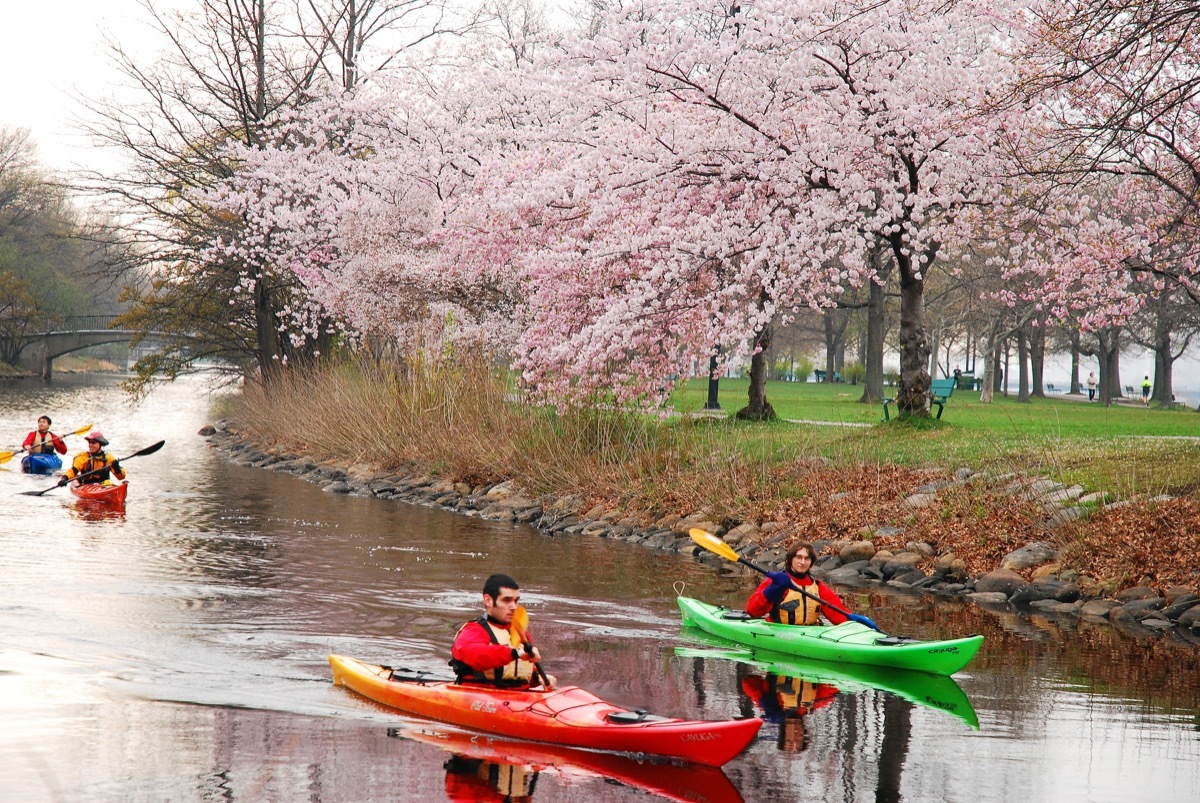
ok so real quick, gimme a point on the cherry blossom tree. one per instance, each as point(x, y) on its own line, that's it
point(711, 170)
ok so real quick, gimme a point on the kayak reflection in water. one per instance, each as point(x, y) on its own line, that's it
point(786, 701)
point(473, 780)
point(778, 600)
point(497, 648)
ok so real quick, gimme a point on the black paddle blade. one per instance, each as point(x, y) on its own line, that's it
point(151, 449)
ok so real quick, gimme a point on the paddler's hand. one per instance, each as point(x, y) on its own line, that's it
point(62, 481)
point(532, 654)
point(781, 583)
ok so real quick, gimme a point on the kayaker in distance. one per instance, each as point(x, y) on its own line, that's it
point(489, 649)
point(95, 459)
point(42, 440)
point(776, 599)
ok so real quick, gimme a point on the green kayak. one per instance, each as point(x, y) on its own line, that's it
point(938, 692)
point(850, 642)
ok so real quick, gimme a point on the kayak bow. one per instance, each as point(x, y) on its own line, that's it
point(40, 463)
point(109, 494)
point(568, 715)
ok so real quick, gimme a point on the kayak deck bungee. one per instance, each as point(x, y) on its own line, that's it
point(111, 494)
point(567, 715)
point(685, 783)
point(938, 692)
point(850, 642)
point(40, 463)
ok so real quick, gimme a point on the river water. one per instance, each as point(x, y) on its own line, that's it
point(178, 651)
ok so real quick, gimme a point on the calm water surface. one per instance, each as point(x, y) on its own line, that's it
point(178, 651)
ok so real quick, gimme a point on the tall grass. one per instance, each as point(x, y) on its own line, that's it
point(460, 420)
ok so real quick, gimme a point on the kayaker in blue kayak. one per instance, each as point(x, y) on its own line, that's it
point(777, 600)
point(96, 460)
point(42, 440)
point(491, 649)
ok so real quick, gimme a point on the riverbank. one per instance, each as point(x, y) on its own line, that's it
point(1002, 541)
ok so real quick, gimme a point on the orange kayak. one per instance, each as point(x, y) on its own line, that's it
point(567, 716)
point(111, 494)
point(678, 782)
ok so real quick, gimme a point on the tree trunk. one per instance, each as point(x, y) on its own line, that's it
point(1114, 367)
point(912, 395)
point(991, 361)
point(267, 332)
point(1023, 371)
point(1075, 386)
point(758, 408)
point(1109, 357)
point(834, 322)
point(1037, 360)
point(1164, 362)
point(873, 383)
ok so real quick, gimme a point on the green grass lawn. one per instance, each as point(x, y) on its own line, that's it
point(1126, 449)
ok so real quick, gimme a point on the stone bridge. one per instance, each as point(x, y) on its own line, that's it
point(36, 352)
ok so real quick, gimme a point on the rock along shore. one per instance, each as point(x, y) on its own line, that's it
point(1028, 579)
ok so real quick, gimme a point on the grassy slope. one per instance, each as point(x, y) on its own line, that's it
point(1125, 448)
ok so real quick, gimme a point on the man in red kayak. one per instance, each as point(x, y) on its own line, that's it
point(779, 601)
point(490, 649)
point(95, 463)
point(42, 440)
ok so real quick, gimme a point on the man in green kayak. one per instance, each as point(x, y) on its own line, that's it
point(778, 600)
point(496, 648)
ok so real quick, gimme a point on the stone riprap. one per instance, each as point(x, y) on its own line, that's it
point(1028, 579)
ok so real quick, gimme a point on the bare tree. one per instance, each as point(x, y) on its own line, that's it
point(227, 69)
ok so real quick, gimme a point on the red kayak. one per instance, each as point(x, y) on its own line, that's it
point(108, 493)
point(567, 716)
point(678, 782)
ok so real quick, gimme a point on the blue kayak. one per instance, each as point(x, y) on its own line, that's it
point(41, 463)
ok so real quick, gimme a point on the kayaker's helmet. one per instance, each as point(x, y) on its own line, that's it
point(97, 436)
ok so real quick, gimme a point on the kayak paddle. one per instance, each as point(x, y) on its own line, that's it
point(520, 623)
point(718, 547)
point(6, 456)
point(151, 449)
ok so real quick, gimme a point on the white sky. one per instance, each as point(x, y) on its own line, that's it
point(51, 51)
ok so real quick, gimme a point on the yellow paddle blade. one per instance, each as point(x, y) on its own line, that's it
point(520, 623)
point(6, 456)
point(713, 544)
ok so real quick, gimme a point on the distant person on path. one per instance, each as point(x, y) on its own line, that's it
point(779, 602)
point(42, 440)
point(1091, 383)
point(1146, 385)
point(95, 463)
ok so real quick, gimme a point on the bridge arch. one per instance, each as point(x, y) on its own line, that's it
point(37, 352)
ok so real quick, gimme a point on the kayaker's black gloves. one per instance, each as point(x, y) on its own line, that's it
point(62, 481)
point(116, 465)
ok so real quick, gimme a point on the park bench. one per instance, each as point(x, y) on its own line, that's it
point(940, 389)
